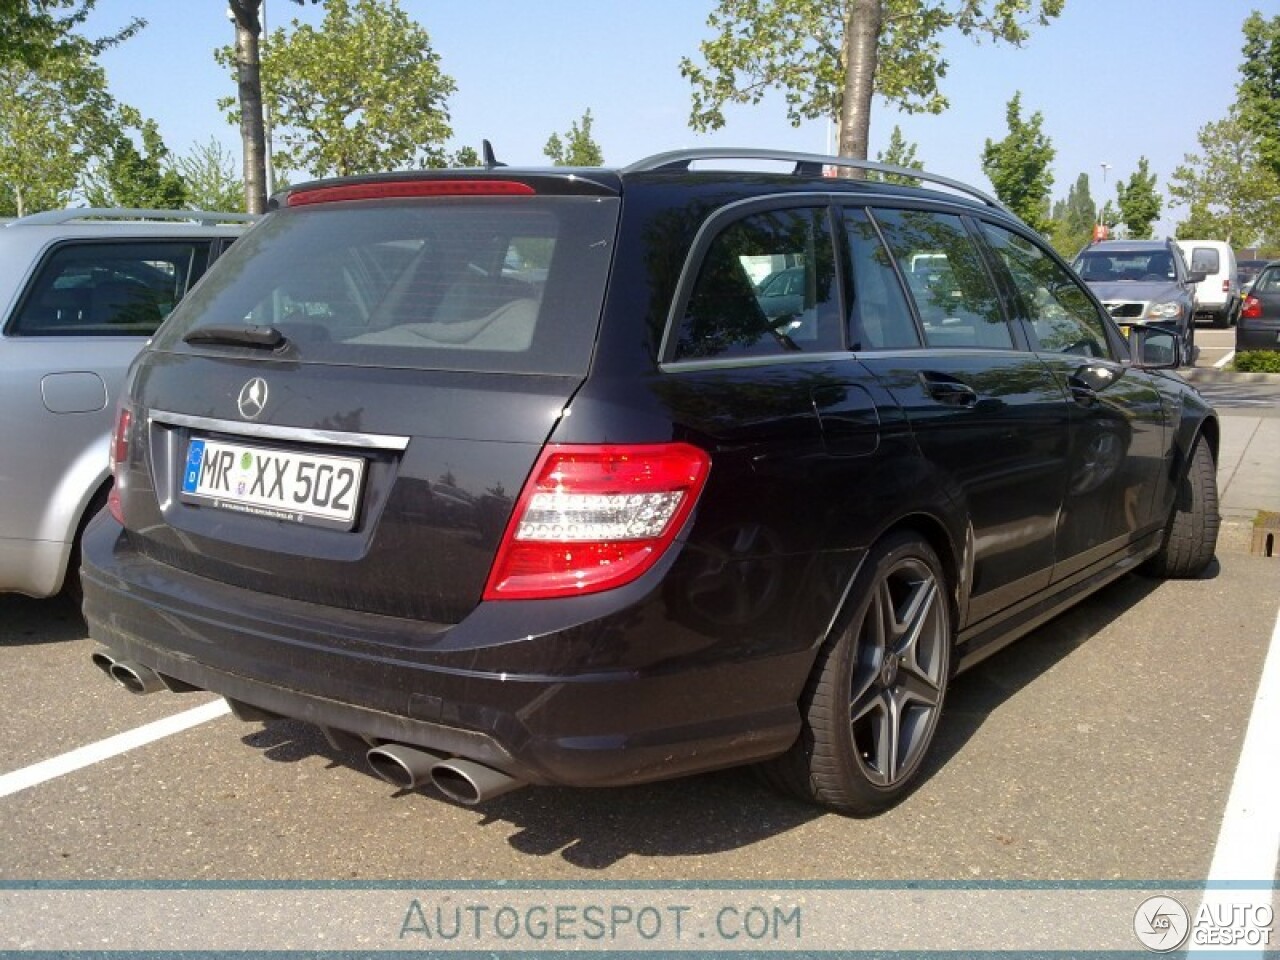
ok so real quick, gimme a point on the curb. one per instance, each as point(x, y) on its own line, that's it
point(1212, 375)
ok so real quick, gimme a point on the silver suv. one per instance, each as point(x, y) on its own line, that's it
point(1143, 281)
point(81, 290)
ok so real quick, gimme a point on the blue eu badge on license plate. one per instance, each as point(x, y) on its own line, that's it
point(191, 476)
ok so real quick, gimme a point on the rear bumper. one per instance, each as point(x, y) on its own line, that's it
point(1257, 338)
point(33, 567)
point(602, 693)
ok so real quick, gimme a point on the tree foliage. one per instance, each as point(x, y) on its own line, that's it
point(212, 177)
point(53, 119)
point(1139, 202)
point(829, 57)
point(1019, 166)
point(900, 152)
point(128, 177)
point(363, 92)
point(1258, 95)
point(577, 149)
point(1232, 194)
point(33, 32)
point(1073, 219)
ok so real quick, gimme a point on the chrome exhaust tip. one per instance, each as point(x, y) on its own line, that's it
point(135, 677)
point(470, 783)
point(402, 766)
point(103, 660)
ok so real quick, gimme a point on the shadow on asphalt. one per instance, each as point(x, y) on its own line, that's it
point(726, 810)
point(26, 622)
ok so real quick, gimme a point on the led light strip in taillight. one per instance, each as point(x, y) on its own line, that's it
point(593, 517)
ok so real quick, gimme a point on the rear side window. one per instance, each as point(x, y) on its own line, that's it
point(116, 288)
point(880, 315)
point(1205, 259)
point(487, 284)
point(952, 290)
point(1061, 314)
point(767, 285)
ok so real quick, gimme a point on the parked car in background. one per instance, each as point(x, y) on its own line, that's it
point(1246, 270)
point(619, 524)
point(1143, 281)
point(1218, 294)
point(1258, 327)
point(81, 290)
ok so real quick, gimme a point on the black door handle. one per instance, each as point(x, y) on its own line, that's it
point(948, 390)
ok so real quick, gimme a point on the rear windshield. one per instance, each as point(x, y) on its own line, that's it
point(495, 284)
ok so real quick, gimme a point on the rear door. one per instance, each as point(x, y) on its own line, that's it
point(986, 413)
point(87, 308)
point(346, 409)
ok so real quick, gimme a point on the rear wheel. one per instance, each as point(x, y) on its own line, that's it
point(1192, 532)
point(72, 588)
point(871, 707)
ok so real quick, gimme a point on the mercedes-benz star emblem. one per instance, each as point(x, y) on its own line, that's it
point(253, 398)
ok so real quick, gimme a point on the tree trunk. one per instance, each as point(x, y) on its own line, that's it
point(862, 25)
point(249, 79)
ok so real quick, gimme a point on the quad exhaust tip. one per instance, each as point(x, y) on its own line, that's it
point(134, 677)
point(463, 781)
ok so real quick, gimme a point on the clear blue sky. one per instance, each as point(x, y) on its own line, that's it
point(1115, 80)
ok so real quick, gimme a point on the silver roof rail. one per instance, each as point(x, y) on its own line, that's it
point(806, 164)
point(204, 218)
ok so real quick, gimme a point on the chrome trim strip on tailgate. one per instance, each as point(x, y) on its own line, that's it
point(269, 431)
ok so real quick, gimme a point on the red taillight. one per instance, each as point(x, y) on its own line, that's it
point(1226, 286)
point(1252, 308)
point(118, 456)
point(392, 189)
point(594, 517)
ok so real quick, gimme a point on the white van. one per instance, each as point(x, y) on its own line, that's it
point(1218, 294)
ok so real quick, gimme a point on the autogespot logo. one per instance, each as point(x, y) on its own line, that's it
point(1161, 923)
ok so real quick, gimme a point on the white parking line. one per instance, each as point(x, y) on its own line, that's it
point(85, 756)
point(1248, 846)
point(1231, 355)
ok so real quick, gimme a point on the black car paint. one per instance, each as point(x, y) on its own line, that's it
point(700, 662)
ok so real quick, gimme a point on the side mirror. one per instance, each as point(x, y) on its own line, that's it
point(1155, 348)
point(1196, 276)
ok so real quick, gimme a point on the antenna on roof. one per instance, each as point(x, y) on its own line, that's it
point(490, 161)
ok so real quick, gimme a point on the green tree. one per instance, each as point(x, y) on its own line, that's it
point(829, 57)
point(1228, 187)
point(1019, 166)
point(129, 177)
point(900, 152)
point(212, 178)
point(1073, 219)
point(1258, 94)
point(34, 32)
point(465, 157)
point(577, 149)
point(53, 119)
point(1139, 203)
point(363, 92)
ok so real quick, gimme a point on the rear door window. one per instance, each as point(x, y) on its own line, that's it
point(116, 288)
point(880, 317)
point(487, 284)
point(1205, 259)
point(948, 280)
point(766, 285)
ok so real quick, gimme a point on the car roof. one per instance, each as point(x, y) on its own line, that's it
point(1126, 246)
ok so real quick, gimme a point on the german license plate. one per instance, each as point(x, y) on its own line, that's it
point(1125, 330)
point(278, 484)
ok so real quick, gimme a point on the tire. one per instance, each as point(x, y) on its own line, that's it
point(1191, 535)
point(871, 706)
point(72, 588)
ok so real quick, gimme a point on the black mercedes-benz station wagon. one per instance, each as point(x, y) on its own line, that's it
point(514, 476)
